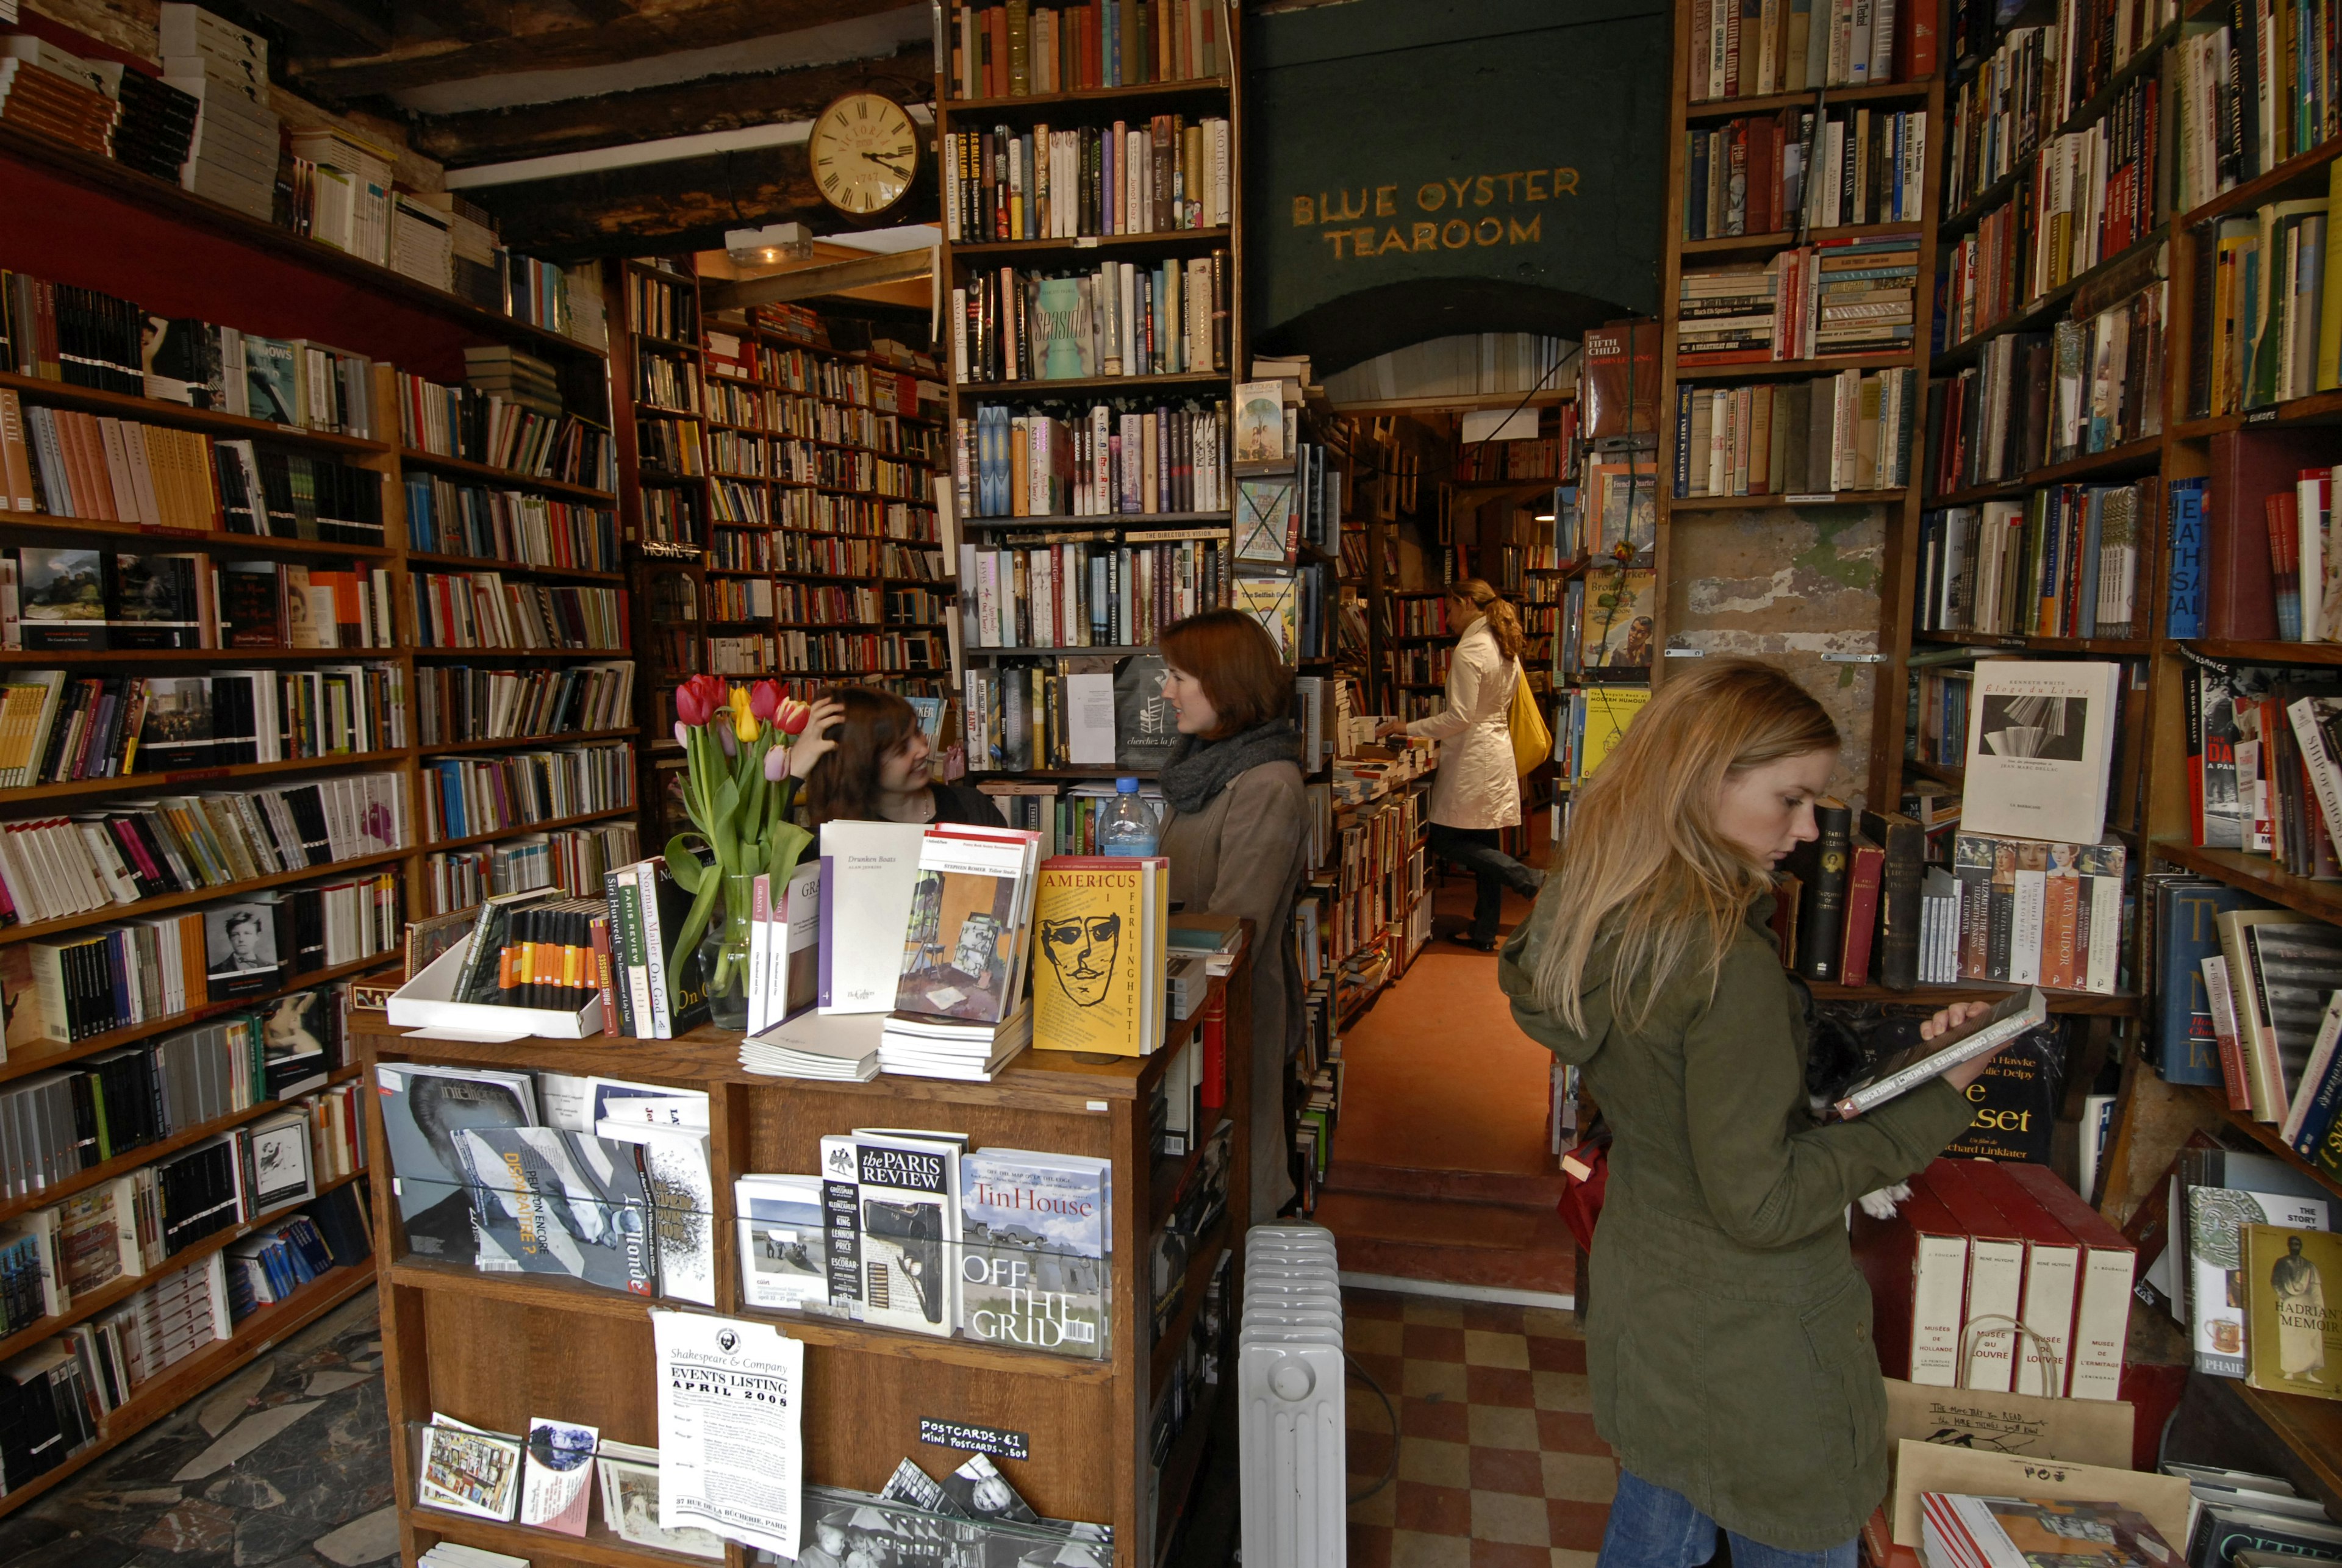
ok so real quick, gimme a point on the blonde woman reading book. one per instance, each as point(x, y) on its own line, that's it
point(1727, 1333)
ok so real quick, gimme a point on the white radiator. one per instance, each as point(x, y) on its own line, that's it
point(1289, 1376)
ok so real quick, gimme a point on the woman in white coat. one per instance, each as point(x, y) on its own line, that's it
point(1477, 791)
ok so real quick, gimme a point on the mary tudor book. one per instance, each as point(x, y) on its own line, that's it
point(965, 945)
point(1100, 922)
point(2040, 738)
point(1035, 1230)
point(909, 1213)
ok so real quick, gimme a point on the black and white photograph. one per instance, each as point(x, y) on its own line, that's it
point(281, 1173)
point(2049, 728)
point(983, 1493)
point(848, 1530)
point(630, 1504)
point(238, 939)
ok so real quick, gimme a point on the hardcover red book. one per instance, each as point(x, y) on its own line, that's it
point(1996, 1286)
point(1917, 1267)
point(1862, 890)
point(2109, 1261)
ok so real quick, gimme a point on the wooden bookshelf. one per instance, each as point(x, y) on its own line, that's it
point(176, 253)
point(585, 1353)
point(964, 259)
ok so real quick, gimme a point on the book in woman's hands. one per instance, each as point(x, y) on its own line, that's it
point(1909, 1068)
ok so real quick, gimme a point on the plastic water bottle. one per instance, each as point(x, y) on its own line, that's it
point(1128, 826)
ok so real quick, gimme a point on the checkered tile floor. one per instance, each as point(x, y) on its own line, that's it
point(1498, 1466)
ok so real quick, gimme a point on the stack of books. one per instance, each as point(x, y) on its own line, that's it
point(1864, 290)
point(519, 378)
point(422, 246)
point(831, 1047)
point(233, 159)
point(52, 93)
point(1727, 315)
point(158, 125)
point(959, 1009)
point(354, 189)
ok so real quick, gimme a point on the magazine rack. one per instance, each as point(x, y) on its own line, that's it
point(497, 1351)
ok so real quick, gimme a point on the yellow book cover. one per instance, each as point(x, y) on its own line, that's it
point(2293, 1316)
point(2329, 304)
point(1094, 923)
point(1608, 711)
point(1271, 602)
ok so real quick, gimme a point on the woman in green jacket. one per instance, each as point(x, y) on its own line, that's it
point(1727, 1333)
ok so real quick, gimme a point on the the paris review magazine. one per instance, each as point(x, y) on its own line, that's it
point(910, 1232)
point(1089, 918)
point(1032, 1249)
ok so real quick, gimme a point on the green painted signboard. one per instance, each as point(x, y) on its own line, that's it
point(1421, 168)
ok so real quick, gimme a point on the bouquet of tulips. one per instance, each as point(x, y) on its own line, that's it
point(738, 792)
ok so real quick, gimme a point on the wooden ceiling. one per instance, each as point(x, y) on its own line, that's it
point(489, 81)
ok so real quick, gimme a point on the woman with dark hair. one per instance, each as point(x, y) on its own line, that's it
point(1238, 838)
point(862, 757)
point(1477, 794)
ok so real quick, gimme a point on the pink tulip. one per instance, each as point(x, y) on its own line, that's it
point(777, 764)
point(681, 734)
point(792, 715)
point(764, 699)
point(731, 745)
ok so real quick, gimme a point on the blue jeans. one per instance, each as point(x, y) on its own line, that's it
point(1474, 849)
point(1652, 1527)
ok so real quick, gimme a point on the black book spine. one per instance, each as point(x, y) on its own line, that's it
point(1894, 959)
point(1821, 922)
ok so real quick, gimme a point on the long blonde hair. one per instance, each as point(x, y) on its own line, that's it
point(1502, 622)
point(1647, 864)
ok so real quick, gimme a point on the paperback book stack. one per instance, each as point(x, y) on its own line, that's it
point(960, 1009)
point(1728, 316)
point(158, 125)
point(55, 95)
point(233, 158)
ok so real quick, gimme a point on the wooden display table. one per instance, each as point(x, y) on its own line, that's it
point(498, 1350)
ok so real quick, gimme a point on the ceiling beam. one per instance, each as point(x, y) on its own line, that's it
point(460, 18)
point(628, 37)
point(663, 207)
point(604, 10)
point(327, 24)
point(711, 103)
point(814, 282)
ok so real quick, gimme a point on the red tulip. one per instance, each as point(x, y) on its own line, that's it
point(764, 699)
point(698, 699)
point(792, 715)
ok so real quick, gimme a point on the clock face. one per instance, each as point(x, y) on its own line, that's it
point(865, 151)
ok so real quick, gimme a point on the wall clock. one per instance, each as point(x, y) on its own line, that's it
point(865, 151)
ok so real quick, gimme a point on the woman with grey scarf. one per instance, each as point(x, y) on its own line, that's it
point(1237, 834)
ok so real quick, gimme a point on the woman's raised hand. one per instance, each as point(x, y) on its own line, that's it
point(817, 742)
point(1952, 1017)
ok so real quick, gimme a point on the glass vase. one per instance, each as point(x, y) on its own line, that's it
point(724, 952)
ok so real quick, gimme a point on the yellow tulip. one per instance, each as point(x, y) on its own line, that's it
point(744, 723)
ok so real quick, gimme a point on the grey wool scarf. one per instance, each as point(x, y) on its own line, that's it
point(1200, 769)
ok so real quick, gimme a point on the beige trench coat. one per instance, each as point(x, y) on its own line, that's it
point(1476, 786)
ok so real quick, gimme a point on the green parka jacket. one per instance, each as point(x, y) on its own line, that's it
point(1728, 1334)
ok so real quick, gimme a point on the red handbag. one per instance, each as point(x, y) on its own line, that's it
point(1585, 1174)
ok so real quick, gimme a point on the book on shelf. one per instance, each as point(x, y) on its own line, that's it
point(1960, 1531)
point(1102, 925)
point(1740, 51)
point(967, 939)
point(782, 1241)
point(1850, 431)
point(869, 875)
point(2291, 1335)
point(1036, 1238)
point(2061, 562)
point(2040, 745)
point(2030, 912)
point(1119, 319)
point(1005, 51)
point(1078, 588)
point(2186, 912)
point(1834, 296)
point(1112, 461)
point(2220, 1193)
point(1160, 175)
point(908, 1194)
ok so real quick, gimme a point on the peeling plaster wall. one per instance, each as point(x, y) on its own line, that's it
point(1789, 587)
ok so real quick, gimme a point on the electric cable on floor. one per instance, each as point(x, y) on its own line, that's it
point(1391, 1469)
